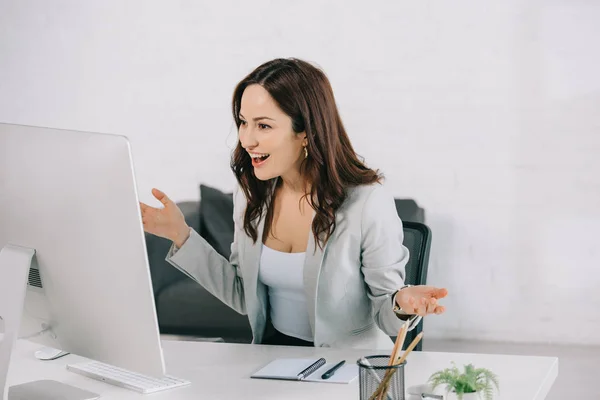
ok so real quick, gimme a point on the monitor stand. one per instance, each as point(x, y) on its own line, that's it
point(15, 262)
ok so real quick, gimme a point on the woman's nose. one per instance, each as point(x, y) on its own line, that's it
point(247, 138)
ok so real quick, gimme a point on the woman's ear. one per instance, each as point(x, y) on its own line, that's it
point(302, 135)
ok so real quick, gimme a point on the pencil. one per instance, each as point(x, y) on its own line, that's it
point(384, 385)
point(398, 343)
point(410, 348)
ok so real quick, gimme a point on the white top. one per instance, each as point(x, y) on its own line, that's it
point(283, 274)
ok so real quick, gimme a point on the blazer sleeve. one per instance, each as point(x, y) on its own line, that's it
point(383, 259)
point(201, 262)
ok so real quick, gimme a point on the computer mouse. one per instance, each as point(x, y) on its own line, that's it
point(418, 389)
point(49, 353)
point(425, 391)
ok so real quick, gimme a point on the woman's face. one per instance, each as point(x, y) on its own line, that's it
point(266, 134)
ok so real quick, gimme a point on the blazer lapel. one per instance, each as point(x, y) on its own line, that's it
point(252, 255)
point(312, 270)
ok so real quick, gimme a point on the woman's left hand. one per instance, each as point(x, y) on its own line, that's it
point(421, 300)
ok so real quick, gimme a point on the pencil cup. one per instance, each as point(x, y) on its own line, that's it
point(374, 373)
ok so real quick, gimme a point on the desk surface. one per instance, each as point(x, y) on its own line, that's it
point(222, 371)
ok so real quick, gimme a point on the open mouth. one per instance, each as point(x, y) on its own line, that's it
point(258, 159)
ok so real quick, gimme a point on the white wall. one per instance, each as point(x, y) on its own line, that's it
point(487, 113)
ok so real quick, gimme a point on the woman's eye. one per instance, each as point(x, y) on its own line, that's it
point(242, 122)
point(263, 126)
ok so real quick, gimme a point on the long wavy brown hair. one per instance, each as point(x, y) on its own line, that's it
point(304, 93)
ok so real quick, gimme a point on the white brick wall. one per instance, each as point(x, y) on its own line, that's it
point(485, 113)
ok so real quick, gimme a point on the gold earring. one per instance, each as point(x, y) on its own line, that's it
point(305, 152)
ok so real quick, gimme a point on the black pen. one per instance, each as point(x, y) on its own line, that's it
point(330, 373)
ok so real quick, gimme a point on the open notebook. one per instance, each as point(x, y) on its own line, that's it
point(307, 370)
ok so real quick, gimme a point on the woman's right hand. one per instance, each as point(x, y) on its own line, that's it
point(167, 222)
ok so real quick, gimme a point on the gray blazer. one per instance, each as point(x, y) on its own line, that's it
point(349, 284)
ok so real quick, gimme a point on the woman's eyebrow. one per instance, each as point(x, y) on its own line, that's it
point(258, 118)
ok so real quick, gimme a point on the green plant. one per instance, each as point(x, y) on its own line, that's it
point(472, 380)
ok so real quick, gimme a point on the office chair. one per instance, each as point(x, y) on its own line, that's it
point(417, 239)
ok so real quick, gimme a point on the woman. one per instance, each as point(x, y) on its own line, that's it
point(317, 257)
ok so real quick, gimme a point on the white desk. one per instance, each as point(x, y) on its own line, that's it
point(221, 371)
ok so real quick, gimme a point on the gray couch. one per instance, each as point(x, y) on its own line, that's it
point(186, 308)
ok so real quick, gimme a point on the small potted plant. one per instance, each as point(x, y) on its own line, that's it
point(472, 384)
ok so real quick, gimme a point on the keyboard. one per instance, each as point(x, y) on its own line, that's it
point(124, 378)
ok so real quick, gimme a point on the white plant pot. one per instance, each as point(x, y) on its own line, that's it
point(466, 396)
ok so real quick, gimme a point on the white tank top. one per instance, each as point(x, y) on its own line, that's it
point(283, 274)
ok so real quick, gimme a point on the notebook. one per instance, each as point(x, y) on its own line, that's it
point(306, 370)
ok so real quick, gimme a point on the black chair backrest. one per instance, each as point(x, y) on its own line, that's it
point(417, 239)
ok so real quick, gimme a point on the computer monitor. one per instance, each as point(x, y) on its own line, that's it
point(71, 197)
